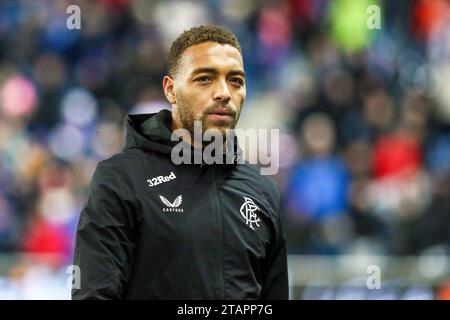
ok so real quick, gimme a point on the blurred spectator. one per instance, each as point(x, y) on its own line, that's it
point(316, 195)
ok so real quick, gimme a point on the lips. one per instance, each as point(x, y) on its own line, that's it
point(221, 115)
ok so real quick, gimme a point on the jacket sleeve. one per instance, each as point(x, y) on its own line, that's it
point(275, 284)
point(104, 240)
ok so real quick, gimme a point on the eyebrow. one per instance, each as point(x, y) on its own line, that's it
point(215, 71)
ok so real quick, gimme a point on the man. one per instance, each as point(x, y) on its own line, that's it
point(152, 229)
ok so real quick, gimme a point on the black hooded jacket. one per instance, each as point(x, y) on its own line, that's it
point(151, 229)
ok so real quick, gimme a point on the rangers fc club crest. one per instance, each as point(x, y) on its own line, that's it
point(248, 212)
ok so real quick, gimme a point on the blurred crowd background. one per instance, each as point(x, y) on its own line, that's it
point(364, 119)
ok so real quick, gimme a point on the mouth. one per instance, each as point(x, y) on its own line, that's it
point(221, 114)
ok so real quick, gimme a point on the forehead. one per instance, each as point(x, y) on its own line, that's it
point(213, 55)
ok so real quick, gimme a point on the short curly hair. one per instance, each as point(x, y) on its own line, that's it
point(198, 35)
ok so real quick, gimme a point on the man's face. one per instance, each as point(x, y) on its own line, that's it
point(208, 87)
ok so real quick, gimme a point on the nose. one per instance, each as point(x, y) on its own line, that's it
point(222, 91)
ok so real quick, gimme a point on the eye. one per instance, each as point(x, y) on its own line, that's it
point(203, 79)
point(237, 81)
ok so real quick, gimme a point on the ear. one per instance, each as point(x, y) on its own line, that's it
point(169, 89)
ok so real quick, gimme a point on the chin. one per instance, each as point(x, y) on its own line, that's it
point(217, 128)
point(220, 125)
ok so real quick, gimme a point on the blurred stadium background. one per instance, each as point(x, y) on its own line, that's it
point(364, 117)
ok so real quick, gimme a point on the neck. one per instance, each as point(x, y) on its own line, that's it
point(189, 137)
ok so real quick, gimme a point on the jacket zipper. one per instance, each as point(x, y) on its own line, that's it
point(219, 225)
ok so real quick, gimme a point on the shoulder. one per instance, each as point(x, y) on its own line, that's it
point(254, 173)
point(121, 160)
point(266, 185)
point(113, 170)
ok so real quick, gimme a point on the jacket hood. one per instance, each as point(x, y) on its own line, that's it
point(152, 132)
